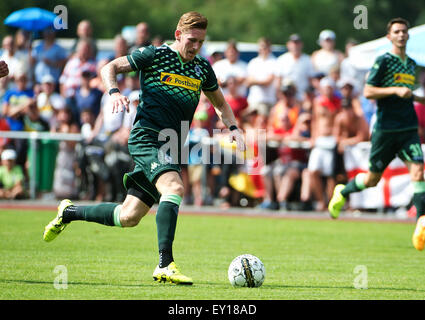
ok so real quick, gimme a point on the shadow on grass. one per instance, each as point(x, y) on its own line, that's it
point(139, 285)
point(271, 287)
point(215, 284)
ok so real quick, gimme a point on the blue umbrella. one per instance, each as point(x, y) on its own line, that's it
point(31, 19)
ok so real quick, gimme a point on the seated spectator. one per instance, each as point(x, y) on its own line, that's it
point(322, 157)
point(71, 77)
point(349, 129)
point(347, 89)
point(87, 97)
point(296, 160)
point(15, 102)
point(48, 57)
point(196, 168)
point(64, 181)
point(132, 83)
point(32, 119)
point(97, 81)
point(49, 101)
point(284, 113)
point(4, 126)
point(237, 102)
point(11, 176)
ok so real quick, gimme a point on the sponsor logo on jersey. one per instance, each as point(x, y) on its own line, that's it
point(172, 79)
point(404, 78)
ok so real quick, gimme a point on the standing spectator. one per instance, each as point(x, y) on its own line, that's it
point(11, 176)
point(322, 157)
point(231, 65)
point(260, 78)
point(120, 47)
point(23, 53)
point(48, 57)
point(71, 77)
point(295, 65)
point(349, 70)
point(85, 32)
point(143, 36)
point(157, 41)
point(49, 101)
point(10, 58)
point(327, 56)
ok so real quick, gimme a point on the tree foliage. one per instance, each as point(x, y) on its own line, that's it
point(244, 20)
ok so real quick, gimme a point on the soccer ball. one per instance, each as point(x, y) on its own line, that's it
point(246, 271)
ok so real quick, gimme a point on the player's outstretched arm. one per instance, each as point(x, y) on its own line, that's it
point(225, 113)
point(109, 77)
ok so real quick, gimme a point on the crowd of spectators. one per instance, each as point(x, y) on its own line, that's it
point(310, 107)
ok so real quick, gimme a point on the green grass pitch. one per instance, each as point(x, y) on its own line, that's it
point(304, 259)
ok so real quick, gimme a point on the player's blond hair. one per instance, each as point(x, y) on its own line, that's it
point(192, 20)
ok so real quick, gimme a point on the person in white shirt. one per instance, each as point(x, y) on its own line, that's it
point(295, 66)
point(260, 79)
point(327, 57)
point(231, 66)
point(49, 101)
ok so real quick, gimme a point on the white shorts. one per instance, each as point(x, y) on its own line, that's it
point(322, 156)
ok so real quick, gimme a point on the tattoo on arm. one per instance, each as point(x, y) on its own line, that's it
point(109, 72)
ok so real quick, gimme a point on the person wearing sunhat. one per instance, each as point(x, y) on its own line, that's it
point(327, 57)
point(11, 176)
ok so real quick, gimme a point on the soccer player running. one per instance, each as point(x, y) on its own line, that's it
point(171, 78)
point(390, 82)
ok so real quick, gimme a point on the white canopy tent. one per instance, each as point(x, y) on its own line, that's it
point(363, 55)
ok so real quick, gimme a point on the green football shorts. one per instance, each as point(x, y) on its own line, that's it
point(150, 161)
point(387, 145)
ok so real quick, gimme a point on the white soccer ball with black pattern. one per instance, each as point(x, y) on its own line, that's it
point(246, 271)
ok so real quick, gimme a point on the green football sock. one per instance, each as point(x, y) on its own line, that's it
point(166, 222)
point(354, 185)
point(419, 197)
point(107, 214)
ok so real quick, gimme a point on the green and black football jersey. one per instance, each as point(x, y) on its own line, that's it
point(394, 113)
point(170, 88)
